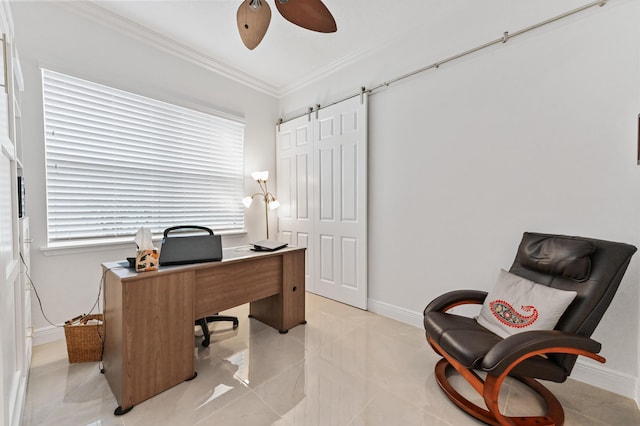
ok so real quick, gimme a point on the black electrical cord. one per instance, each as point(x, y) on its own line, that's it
point(35, 291)
point(102, 336)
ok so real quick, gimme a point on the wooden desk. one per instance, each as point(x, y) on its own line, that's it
point(149, 316)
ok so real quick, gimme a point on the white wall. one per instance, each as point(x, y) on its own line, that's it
point(538, 134)
point(54, 37)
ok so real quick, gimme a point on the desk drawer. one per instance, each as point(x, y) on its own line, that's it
point(225, 285)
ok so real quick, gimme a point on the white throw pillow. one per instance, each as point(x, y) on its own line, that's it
point(517, 304)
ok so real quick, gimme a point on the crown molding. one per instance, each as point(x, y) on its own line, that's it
point(323, 72)
point(166, 44)
point(159, 41)
point(345, 61)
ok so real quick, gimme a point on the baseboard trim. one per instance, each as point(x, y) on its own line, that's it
point(47, 334)
point(584, 371)
point(601, 376)
point(400, 314)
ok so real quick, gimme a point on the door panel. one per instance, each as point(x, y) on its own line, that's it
point(326, 185)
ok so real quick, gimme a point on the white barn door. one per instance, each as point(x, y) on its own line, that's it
point(294, 148)
point(333, 174)
point(340, 156)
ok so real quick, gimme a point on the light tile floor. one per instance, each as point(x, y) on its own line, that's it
point(345, 367)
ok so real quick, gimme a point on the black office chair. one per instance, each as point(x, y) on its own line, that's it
point(591, 268)
point(204, 325)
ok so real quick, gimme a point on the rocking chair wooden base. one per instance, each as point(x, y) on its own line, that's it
point(554, 414)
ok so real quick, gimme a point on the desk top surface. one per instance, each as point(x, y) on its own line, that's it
point(233, 254)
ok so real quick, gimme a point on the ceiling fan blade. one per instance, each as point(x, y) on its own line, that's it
point(253, 22)
point(310, 14)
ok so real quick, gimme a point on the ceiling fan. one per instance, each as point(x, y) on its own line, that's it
point(253, 18)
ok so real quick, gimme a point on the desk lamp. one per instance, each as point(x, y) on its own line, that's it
point(270, 202)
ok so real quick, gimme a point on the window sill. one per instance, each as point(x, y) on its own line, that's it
point(106, 244)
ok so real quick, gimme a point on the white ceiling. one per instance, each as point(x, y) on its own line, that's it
point(289, 55)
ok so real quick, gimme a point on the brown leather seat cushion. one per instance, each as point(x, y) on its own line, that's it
point(468, 342)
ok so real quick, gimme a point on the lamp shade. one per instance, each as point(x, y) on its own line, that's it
point(263, 175)
point(274, 204)
point(247, 201)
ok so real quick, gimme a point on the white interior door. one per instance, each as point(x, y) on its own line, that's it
point(340, 226)
point(322, 187)
point(294, 148)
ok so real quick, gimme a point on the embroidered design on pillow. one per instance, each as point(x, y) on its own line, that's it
point(509, 316)
point(516, 304)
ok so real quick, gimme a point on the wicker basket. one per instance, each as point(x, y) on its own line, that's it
point(84, 341)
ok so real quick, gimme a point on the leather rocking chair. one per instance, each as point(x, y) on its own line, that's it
point(591, 268)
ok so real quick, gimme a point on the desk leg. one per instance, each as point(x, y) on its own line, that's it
point(286, 309)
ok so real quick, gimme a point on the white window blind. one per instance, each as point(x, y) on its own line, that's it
point(117, 161)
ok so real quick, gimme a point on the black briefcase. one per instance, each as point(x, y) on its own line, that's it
point(190, 249)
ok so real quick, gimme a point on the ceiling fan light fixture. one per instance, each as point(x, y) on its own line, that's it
point(253, 18)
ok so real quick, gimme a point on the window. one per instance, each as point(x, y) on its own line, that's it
point(117, 161)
